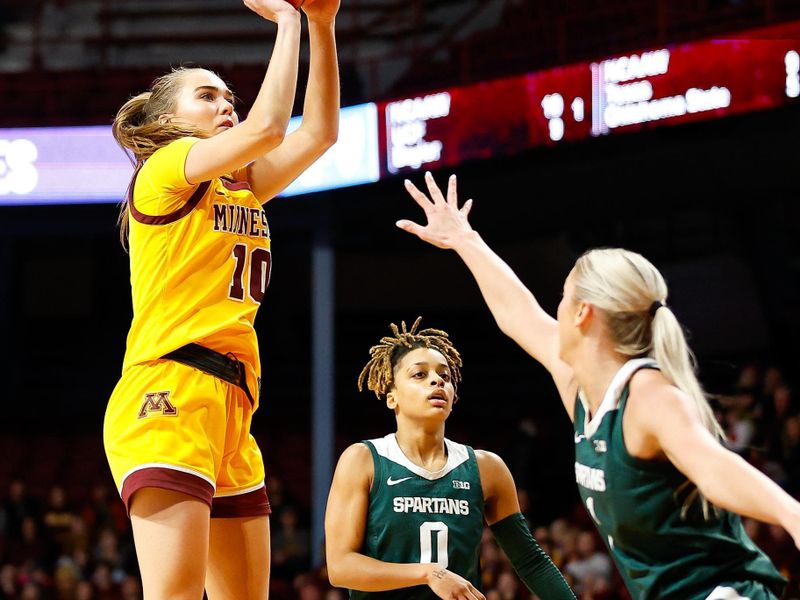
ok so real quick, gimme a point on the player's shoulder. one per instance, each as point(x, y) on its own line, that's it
point(652, 393)
point(490, 464)
point(358, 452)
point(651, 385)
point(169, 156)
point(355, 465)
point(488, 457)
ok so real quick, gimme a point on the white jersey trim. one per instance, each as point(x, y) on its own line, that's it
point(388, 448)
point(239, 492)
point(725, 593)
point(166, 466)
point(611, 398)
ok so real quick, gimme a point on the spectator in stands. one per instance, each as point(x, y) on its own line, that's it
point(791, 454)
point(778, 407)
point(772, 380)
point(17, 507)
point(615, 349)
point(591, 567)
point(492, 560)
point(103, 581)
point(31, 548)
point(183, 458)
point(103, 510)
point(58, 518)
point(84, 591)
point(65, 580)
point(130, 588)
point(335, 594)
point(8, 582)
point(290, 545)
point(308, 588)
point(739, 425)
point(107, 551)
point(507, 585)
point(31, 591)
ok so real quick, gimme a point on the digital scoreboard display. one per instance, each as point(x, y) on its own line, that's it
point(672, 85)
point(664, 86)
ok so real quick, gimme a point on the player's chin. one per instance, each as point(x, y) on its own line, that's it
point(440, 412)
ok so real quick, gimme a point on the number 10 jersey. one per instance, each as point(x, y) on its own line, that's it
point(200, 262)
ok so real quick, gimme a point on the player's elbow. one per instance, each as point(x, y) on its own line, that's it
point(336, 574)
point(329, 139)
point(270, 136)
point(323, 138)
point(262, 137)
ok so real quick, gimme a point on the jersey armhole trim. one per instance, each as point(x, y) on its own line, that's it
point(377, 473)
point(235, 186)
point(176, 215)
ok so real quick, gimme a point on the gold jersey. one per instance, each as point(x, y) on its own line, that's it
point(200, 262)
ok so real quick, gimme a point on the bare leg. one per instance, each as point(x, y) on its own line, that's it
point(170, 530)
point(238, 559)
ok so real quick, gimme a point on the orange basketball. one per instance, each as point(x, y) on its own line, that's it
point(298, 3)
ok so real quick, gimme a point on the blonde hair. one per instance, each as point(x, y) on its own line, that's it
point(624, 286)
point(379, 370)
point(139, 132)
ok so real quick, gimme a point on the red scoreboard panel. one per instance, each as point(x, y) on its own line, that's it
point(663, 86)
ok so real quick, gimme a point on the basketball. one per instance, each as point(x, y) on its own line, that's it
point(298, 3)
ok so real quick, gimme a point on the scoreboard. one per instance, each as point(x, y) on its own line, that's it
point(663, 86)
point(623, 94)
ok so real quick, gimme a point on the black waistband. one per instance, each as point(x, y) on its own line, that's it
point(222, 366)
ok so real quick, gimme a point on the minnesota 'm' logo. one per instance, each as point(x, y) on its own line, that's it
point(157, 402)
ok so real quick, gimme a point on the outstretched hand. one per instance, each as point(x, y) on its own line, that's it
point(450, 586)
point(447, 223)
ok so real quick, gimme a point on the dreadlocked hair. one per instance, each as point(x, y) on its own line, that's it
point(379, 371)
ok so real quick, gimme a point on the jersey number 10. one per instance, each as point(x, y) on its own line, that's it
point(433, 543)
point(260, 265)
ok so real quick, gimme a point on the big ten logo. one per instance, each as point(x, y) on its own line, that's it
point(18, 173)
point(792, 62)
point(460, 485)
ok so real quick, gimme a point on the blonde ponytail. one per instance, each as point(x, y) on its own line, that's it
point(624, 286)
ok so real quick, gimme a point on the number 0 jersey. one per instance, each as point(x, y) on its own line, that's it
point(637, 505)
point(200, 262)
point(417, 516)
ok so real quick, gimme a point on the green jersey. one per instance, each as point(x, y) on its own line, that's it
point(419, 516)
point(636, 505)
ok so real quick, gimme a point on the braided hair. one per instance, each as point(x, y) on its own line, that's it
point(379, 371)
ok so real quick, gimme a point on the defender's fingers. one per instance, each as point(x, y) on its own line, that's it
point(433, 189)
point(452, 192)
point(466, 208)
point(410, 227)
point(418, 195)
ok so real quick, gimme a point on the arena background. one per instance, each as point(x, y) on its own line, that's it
point(712, 204)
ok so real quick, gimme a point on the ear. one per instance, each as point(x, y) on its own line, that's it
point(165, 118)
point(584, 314)
point(391, 402)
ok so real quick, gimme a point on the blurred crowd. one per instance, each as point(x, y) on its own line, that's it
point(54, 548)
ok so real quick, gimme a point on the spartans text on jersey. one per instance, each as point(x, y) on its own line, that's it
point(592, 479)
point(417, 504)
